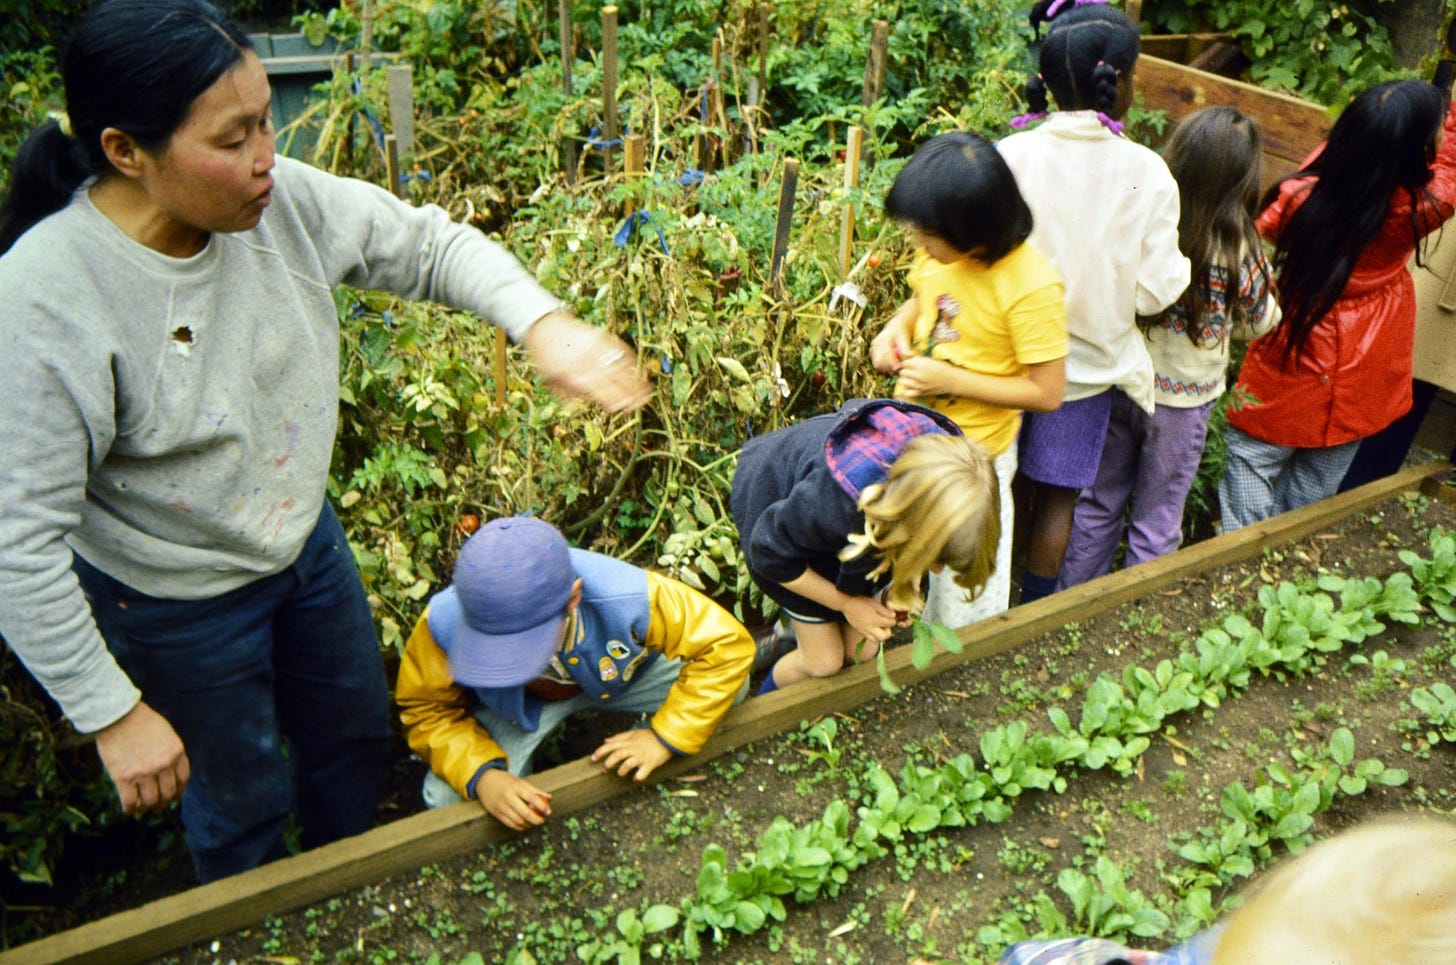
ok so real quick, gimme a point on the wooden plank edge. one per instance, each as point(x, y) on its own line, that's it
point(1292, 126)
point(216, 909)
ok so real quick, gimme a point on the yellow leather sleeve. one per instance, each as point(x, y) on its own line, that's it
point(436, 713)
point(716, 654)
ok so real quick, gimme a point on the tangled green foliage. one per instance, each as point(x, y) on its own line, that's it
point(1327, 52)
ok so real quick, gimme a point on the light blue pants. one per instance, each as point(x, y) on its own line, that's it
point(1264, 480)
point(646, 694)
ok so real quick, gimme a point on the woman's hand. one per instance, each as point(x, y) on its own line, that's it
point(578, 360)
point(145, 759)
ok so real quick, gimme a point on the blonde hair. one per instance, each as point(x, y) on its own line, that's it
point(1383, 893)
point(940, 505)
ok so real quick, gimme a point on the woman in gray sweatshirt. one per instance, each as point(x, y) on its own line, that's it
point(169, 568)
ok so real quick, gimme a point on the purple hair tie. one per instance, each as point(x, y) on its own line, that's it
point(1107, 122)
point(1022, 120)
point(1059, 5)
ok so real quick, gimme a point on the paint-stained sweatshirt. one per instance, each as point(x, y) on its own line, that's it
point(172, 420)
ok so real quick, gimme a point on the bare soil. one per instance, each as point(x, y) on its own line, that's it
point(538, 897)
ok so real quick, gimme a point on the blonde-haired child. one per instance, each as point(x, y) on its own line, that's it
point(1383, 893)
point(836, 509)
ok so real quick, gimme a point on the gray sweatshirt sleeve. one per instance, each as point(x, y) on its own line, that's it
point(54, 424)
point(368, 238)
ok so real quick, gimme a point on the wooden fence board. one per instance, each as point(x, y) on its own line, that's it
point(1292, 127)
point(402, 846)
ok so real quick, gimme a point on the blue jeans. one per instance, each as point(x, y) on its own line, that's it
point(291, 657)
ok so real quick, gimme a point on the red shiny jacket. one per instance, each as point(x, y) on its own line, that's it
point(1354, 376)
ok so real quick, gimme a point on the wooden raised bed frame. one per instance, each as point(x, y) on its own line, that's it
point(1292, 128)
point(215, 909)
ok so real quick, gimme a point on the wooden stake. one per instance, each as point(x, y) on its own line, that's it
point(391, 167)
point(757, 83)
point(785, 220)
point(851, 181)
point(349, 62)
point(634, 154)
point(399, 82)
point(609, 82)
point(440, 834)
point(502, 348)
point(1134, 11)
point(874, 81)
point(719, 112)
point(568, 55)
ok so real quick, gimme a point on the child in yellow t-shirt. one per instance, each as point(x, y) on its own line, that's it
point(983, 336)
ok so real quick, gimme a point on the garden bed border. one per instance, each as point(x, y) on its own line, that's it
point(212, 910)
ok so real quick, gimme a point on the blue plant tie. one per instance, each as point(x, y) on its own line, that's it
point(594, 140)
point(376, 129)
point(666, 364)
point(629, 227)
point(691, 177)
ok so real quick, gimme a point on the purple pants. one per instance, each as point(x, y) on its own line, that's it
point(1148, 464)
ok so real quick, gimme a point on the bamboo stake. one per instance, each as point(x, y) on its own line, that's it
point(349, 124)
point(851, 181)
point(757, 83)
point(609, 82)
point(366, 30)
point(785, 220)
point(400, 84)
point(718, 112)
point(1134, 11)
point(874, 81)
point(568, 54)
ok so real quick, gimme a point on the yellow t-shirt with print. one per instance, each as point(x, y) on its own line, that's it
point(998, 320)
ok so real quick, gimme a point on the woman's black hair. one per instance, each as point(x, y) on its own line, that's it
point(1085, 50)
point(1383, 144)
point(1214, 155)
point(135, 65)
point(959, 188)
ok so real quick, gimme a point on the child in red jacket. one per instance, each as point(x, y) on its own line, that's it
point(1338, 367)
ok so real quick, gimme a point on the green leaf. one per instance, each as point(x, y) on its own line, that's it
point(660, 918)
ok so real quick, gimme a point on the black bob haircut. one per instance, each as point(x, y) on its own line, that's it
point(959, 188)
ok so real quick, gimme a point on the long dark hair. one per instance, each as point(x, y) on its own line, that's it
point(1214, 156)
point(1381, 145)
point(135, 65)
point(958, 186)
point(1086, 47)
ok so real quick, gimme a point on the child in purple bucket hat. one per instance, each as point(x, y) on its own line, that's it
point(532, 631)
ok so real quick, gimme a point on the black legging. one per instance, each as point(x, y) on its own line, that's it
point(1384, 453)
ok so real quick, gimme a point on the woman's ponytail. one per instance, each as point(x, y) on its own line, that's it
point(48, 169)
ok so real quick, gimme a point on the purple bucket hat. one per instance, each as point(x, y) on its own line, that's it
point(513, 579)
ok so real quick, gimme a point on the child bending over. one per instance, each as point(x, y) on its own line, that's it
point(835, 509)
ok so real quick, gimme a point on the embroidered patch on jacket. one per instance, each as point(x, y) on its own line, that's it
point(617, 649)
point(606, 669)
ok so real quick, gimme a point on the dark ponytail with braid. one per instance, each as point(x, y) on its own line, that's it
point(1087, 51)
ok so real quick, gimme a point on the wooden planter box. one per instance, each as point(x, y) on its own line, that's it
point(294, 67)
